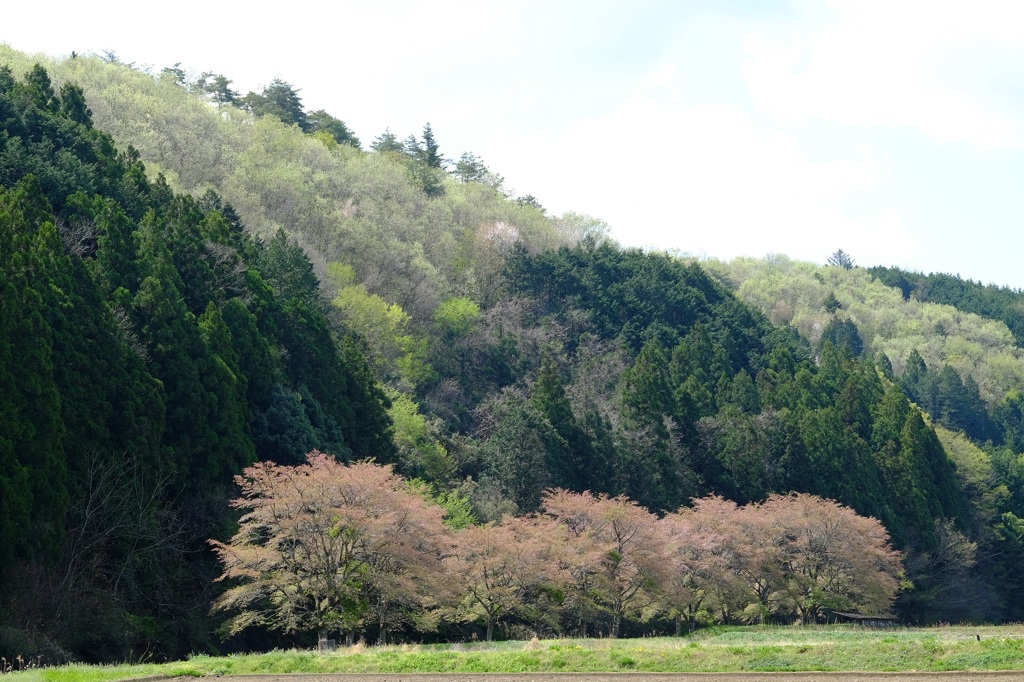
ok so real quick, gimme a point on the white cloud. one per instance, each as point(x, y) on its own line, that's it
point(887, 63)
point(703, 179)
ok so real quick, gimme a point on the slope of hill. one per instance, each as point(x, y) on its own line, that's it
point(206, 340)
point(366, 210)
point(994, 302)
point(795, 293)
point(150, 349)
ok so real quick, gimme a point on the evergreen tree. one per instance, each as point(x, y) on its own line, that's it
point(469, 168)
point(278, 99)
point(843, 332)
point(428, 152)
point(217, 88)
point(579, 469)
point(387, 142)
point(320, 120)
point(841, 259)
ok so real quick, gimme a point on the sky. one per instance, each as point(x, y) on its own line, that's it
point(892, 130)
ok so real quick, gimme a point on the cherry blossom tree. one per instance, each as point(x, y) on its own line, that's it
point(627, 558)
point(499, 568)
point(699, 553)
point(831, 557)
point(322, 545)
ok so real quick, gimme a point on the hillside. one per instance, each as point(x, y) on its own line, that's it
point(794, 293)
point(201, 289)
point(991, 301)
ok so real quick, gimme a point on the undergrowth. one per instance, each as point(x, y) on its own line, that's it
point(721, 649)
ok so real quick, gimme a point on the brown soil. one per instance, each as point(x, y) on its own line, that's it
point(645, 677)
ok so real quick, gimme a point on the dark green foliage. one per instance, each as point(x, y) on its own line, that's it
point(33, 477)
point(72, 104)
point(177, 74)
point(950, 400)
point(716, 400)
point(387, 142)
point(523, 453)
point(422, 158)
point(646, 394)
point(215, 86)
point(531, 201)
point(884, 365)
point(281, 100)
point(579, 467)
point(831, 304)
point(427, 151)
point(284, 266)
point(143, 362)
point(1010, 415)
point(634, 295)
point(469, 168)
point(282, 432)
point(841, 259)
point(843, 332)
point(320, 120)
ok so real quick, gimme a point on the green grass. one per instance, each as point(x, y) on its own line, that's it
point(820, 648)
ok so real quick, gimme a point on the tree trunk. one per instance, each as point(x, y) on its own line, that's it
point(490, 629)
point(679, 624)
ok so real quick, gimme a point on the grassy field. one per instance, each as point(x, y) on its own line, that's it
point(821, 648)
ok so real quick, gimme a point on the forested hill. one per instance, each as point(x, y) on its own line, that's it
point(991, 301)
point(281, 290)
point(149, 349)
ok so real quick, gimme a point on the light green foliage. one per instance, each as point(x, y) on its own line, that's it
point(795, 293)
point(577, 228)
point(395, 352)
point(458, 509)
point(457, 316)
point(420, 450)
point(722, 649)
point(338, 202)
point(976, 474)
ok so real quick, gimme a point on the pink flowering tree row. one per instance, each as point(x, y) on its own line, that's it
point(348, 549)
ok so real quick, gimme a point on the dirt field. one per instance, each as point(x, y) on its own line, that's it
point(647, 677)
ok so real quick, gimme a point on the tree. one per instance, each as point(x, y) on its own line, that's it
point(285, 267)
point(175, 74)
point(697, 562)
point(428, 151)
point(469, 168)
point(831, 304)
point(630, 545)
point(499, 567)
point(320, 120)
point(832, 559)
point(841, 259)
point(842, 332)
point(387, 142)
point(281, 100)
point(575, 467)
point(321, 545)
point(521, 450)
point(217, 88)
point(72, 104)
